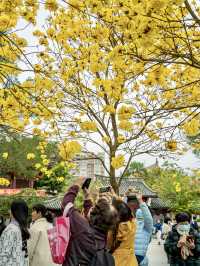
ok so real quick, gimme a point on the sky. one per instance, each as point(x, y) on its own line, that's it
point(189, 160)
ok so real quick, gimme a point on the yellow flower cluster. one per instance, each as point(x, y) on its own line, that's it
point(60, 179)
point(5, 155)
point(52, 5)
point(192, 128)
point(118, 161)
point(171, 145)
point(125, 112)
point(69, 149)
point(30, 156)
point(126, 125)
point(121, 139)
point(88, 126)
point(178, 187)
point(4, 182)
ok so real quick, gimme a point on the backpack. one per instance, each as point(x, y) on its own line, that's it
point(59, 236)
point(102, 258)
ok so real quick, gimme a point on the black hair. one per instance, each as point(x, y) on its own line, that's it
point(19, 210)
point(102, 216)
point(44, 212)
point(182, 217)
point(124, 215)
point(124, 212)
point(2, 225)
point(167, 220)
point(194, 218)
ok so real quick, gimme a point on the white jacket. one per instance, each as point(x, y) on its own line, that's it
point(11, 246)
point(38, 244)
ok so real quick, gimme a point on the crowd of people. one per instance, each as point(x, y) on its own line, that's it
point(118, 230)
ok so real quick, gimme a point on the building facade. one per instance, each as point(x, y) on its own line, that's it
point(88, 165)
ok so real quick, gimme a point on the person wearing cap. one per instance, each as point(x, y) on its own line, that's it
point(144, 231)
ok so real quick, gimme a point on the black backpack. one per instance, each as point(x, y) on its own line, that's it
point(102, 258)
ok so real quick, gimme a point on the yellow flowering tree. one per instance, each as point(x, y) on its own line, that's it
point(120, 75)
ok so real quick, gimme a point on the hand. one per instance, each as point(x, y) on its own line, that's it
point(191, 244)
point(182, 241)
point(139, 197)
point(86, 193)
point(79, 182)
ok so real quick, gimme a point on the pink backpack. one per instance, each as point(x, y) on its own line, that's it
point(59, 236)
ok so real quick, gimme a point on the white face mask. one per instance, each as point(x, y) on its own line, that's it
point(183, 229)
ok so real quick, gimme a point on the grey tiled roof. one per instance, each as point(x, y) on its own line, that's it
point(127, 183)
point(159, 204)
point(138, 184)
point(54, 203)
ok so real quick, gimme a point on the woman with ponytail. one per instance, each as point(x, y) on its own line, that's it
point(38, 244)
point(13, 241)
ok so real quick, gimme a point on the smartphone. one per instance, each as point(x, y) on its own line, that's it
point(86, 183)
point(104, 189)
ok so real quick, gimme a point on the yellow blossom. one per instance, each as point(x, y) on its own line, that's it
point(52, 5)
point(109, 109)
point(192, 128)
point(171, 145)
point(60, 179)
point(88, 126)
point(125, 112)
point(106, 139)
point(45, 161)
point(126, 125)
point(4, 182)
point(69, 149)
point(118, 161)
point(38, 165)
point(178, 187)
point(5, 155)
point(30, 156)
point(121, 139)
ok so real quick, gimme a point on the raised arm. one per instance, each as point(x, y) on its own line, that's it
point(87, 204)
point(71, 195)
point(72, 192)
point(148, 220)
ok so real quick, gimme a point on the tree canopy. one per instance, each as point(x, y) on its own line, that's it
point(120, 75)
point(23, 157)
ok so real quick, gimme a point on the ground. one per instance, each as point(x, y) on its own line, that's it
point(156, 255)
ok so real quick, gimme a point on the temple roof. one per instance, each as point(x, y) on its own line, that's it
point(132, 182)
point(54, 203)
point(138, 184)
point(157, 203)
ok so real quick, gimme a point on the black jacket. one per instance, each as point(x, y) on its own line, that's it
point(174, 253)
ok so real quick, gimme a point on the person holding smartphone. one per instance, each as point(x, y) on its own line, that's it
point(88, 231)
point(144, 229)
point(183, 243)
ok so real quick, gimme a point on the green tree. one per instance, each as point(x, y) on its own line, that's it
point(57, 179)
point(172, 184)
point(137, 170)
point(19, 156)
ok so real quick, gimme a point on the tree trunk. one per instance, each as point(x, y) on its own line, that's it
point(113, 180)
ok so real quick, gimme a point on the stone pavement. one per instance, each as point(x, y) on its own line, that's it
point(156, 255)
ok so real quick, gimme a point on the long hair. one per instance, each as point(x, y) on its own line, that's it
point(2, 224)
point(19, 210)
point(44, 212)
point(125, 215)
